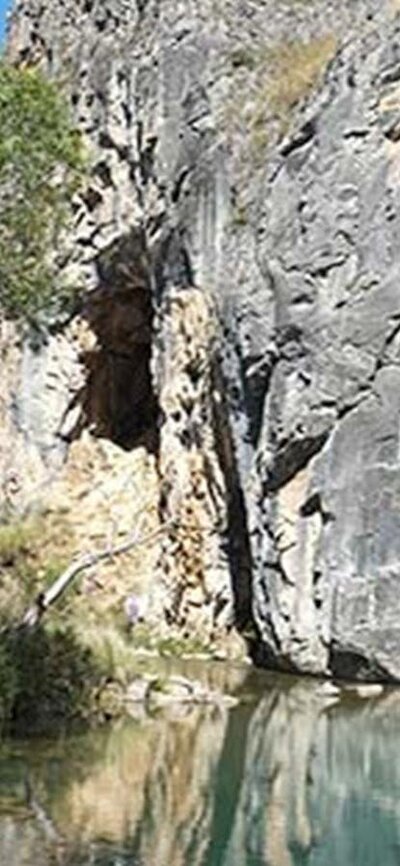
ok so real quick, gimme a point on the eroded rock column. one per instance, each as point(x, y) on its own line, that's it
point(194, 584)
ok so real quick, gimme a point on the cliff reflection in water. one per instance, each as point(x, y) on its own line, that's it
point(284, 779)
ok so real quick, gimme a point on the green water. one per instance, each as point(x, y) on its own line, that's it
point(283, 779)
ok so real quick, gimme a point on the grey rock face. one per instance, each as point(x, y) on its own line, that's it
point(251, 150)
point(325, 513)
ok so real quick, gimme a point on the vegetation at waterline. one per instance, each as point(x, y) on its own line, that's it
point(78, 661)
point(41, 165)
point(44, 673)
point(45, 677)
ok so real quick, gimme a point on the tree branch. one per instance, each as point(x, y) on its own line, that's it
point(47, 598)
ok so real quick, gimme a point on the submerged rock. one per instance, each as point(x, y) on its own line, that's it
point(373, 690)
point(329, 690)
point(159, 692)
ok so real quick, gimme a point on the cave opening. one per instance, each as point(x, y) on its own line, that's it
point(119, 402)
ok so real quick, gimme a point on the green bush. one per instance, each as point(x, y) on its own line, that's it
point(46, 677)
point(15, 542)
point(40, 167)
point(8, 681)
point(55, 677)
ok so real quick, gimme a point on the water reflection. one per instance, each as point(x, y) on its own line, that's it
point(284, 779)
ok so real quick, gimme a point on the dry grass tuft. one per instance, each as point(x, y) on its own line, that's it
point(297, 68)
point(267, 84)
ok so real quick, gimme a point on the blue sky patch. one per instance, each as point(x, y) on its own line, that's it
point(4, 6)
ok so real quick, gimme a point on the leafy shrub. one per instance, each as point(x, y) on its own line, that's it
point(15, 541)
point(55, 677)
point(40, 166)
point(46, 677)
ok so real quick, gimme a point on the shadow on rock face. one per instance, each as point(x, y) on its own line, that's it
point(118, 401)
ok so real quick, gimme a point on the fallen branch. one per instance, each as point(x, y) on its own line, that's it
point(47, 598)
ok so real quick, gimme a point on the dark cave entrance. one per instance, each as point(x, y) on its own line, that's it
point(118, 402)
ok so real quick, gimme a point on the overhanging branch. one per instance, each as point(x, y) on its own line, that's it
point(47, 598)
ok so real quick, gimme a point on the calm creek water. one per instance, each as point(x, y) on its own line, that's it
point(286, 778)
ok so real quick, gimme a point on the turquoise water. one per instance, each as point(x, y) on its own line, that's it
point(286, 778)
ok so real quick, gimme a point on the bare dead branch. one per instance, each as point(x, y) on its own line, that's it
point(47, 598)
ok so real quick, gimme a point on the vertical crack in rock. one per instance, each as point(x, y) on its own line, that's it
point(238, 542)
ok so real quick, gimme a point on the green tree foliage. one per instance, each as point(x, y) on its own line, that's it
point(40, 166)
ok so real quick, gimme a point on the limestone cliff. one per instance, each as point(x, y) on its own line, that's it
point(237, 244)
